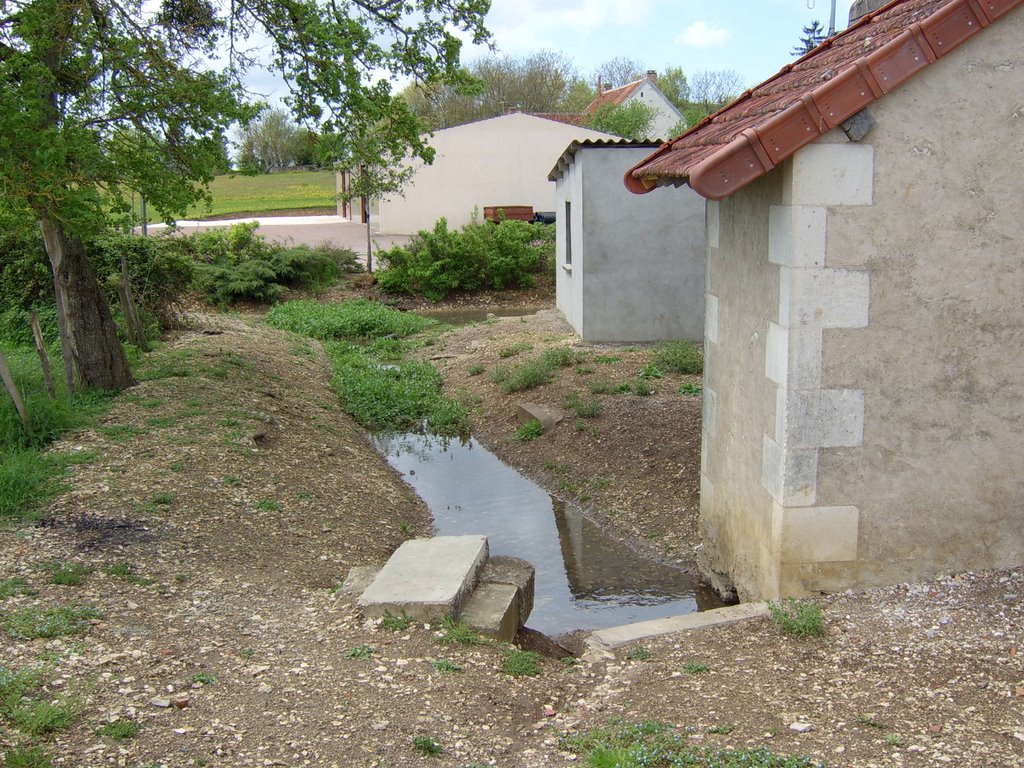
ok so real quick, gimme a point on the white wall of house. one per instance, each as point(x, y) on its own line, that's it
point(864, 363)
point(666, 115)
point(501, 161)
point(630, 268)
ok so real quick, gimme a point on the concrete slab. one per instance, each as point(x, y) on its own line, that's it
point(426, 579)
point(502, 569)
point(547, 416)
point(604, 640)
point(493, 610)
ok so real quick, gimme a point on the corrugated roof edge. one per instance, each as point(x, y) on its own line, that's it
point(757, 150)
point(566, 158)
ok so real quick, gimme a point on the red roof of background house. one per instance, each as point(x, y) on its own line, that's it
point(614, 96)
point(569, 118)
point(813, 95)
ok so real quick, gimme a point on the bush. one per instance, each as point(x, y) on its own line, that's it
point(480, 256)
point(680, 357)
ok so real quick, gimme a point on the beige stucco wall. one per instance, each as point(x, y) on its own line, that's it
point(501, 161)
point(865, 364)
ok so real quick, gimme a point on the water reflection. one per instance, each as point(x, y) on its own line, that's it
point(585, 579)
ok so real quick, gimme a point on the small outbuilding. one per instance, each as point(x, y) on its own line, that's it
point(864, 369)
point(501, 161)
point(628, 268)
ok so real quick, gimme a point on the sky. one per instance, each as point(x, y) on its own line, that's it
point(752, 37)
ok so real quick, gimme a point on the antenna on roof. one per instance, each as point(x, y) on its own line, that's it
point(831, 17)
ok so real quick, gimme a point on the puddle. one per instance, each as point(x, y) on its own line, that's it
point(585, 579)
point(476, 315)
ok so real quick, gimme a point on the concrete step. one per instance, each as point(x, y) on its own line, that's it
point(427, 579)
point(493, 610)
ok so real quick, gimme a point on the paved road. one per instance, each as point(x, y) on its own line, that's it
point(303, 230)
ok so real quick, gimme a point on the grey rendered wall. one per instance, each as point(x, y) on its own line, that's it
point(569, 277)
point(641, 258)
point(938, 479)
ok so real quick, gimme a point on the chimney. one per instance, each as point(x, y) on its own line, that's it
point(863, 8)
point(600, 86)
point(652, 75)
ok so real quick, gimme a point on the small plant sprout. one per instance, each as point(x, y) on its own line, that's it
point(395, 623)
point(246, 653)
point(359, 652)
point(722, 729)
point(443, 665)
point(67, 574)
point(894, 740)
point(426, 746)
point(164, 498)
point(202, 678)
point(688, 389)
point(476, 369)
point(639, 654)
point(650, 371)
point(531, 430)
point(694, 668)
point(269, 506)
point(120, 730)
point(799, 618)
point(521, 663)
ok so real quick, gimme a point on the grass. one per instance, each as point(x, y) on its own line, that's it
point(531, 430)
point(679, 357)
point(14, 587)
point(690, 390)
point(427, 746)
point(265, 193)
point(521, 663)
point(694, 668)
point(351, 320)
point(533, 373)
point(57, 621)
point(120, 730)
point(42, 718)
point(652, 744)
point(798, 618)
point(67, 574)
point(476, 369)
point(266, 505)
point(202, 678)
point(639, 654)
point(27, 757)
point(443, 665)
point(514, 349)
point(650, 371)
point(359, 652)
point(454, 632)
point(585, 409)
point(395, 623)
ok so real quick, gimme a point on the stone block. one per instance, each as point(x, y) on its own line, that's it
point(605, 639)
point(818, 534)
point(502, 569)
point(548, 417)
point(427, 579)
point(493, 610)
point(832, 174)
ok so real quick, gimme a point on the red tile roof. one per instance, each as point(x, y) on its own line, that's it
point(614, 96)
point(813, 95)
point(569, 118)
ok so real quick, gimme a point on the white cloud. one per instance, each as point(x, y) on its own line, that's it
point(700, 34)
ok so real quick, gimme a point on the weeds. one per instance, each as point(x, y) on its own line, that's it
point(454, 632)
point(266, 505)
point(531, 430)
point(443, 665)
point(58, 621)
point(426, 746)
point(202, 678)
point(680, 357)
point(476, 369)
point(605, 387)
point(724, 730)
point(359, 652)
point(120, 730)
point(395, 623)
point(694, 668)
point(799, 618)
point(14, 588)
point(521, 663)
point(650, 371)
point(360, 319)
point(41, 718)
point(534, 373)
point(514, 349)
point(164, 498)
point(67, 574)
point(585, 409)
point(640, 654)
point(27, 757)
point(690, 390)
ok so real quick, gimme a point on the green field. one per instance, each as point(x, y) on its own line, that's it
point(306, 191)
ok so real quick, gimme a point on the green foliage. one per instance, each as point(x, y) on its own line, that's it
point(514, 349)
point(650, 371)
point(605, 387)
point(813, 35)
point(535, 372)
point(586, 409)
point(235, 263)
point(694, 668)
point(443, 665)
point(799, 618)
point(639, 654)
point(240, 193)
point(27, 757)
point(632, 120)
point(521, 663)
point(531, 430)
point(57, 621)
point(454, 632)
point(426, 746)
point(395, 623)
point(655, 745)
point(476, 369)
point(14, 587)
point(41, 718)
point(202, 678)
point(360, 652)
point(120, 730)
point(67, 574)
point(690, 390)
point(360, 319)
point(481, 256)
point(680, 357)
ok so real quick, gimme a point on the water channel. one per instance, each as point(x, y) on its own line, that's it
point(585, 578)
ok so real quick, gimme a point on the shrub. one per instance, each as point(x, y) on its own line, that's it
point(799, 618)
point(480, 256)
point(680, 357)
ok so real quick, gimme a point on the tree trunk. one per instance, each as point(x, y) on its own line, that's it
point(98, 354)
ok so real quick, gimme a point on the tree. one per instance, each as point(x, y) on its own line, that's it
point(673, 83)
point(273, 141)
point(100, 98)
point(631, 120)
point(710, 91)
point(619, 71)
point(814, 33)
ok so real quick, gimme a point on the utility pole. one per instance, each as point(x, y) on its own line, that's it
point(831, 17)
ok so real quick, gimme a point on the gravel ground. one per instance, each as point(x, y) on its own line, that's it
point(218, 507)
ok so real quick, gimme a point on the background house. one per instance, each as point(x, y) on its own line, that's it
point(500, 161)
point(629, 268)
point(864, 346)
point(666, 115)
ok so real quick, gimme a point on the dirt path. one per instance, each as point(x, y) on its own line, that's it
point(220, 502)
